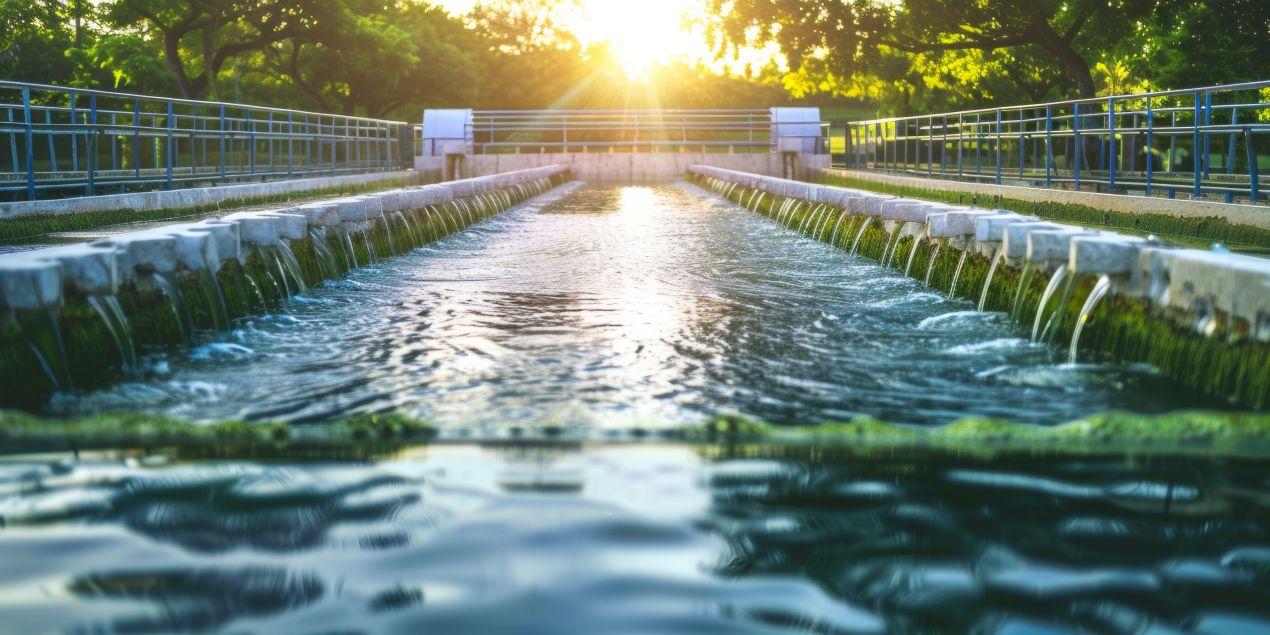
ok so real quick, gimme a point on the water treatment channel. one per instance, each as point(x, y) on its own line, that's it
point(598, 309)
point(615, 307)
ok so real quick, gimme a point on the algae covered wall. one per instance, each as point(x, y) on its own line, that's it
point(1201, 317)
point(78, 315)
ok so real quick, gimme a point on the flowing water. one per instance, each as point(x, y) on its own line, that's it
point(633, 539)
point(615, 307)
point(602, 308)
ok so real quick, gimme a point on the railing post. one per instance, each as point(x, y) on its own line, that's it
point(930, 146)
point(1208, 121)
point(961, 141)
point(29, 135)
point(1196, 148)
point(998, 148)
point(1150, 139)
point(290, 142)
point(136, 137)
point(1230, 149)
point(167, 179)
point(220, 156)
point(1112, 155)
point(251, 144)
point(1049, 147)
point(92, 144)
point(1254, 187)
point(1022, 143)
point(74, 135)
point(1078, 148)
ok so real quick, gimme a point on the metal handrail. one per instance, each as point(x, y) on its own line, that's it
point(60, 141)
point(729, 129)
point(1141, 143)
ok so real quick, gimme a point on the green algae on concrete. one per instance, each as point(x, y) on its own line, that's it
point(1221, 360)
point(73, 347)
point(1195, 232)
point(24, 432)
point(29, 228)
point(1189, 432)
point(1184, 432)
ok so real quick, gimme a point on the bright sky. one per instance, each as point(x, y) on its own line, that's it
point(642, 33)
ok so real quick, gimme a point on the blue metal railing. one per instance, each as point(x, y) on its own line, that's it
point(1198, 141)
point(57, 141)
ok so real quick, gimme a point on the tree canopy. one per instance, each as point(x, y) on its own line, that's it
point(390, 58)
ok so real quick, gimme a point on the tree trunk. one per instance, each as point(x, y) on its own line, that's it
point(1073, 64)
point(172, 58)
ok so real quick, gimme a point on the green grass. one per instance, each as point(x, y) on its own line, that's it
point(1197, 232)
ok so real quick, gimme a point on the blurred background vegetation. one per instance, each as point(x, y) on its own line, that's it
point(857, 58)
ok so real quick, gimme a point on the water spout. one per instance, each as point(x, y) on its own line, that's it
point(987, 283)
point(961, 263)
point(1055, 280)
point(1095, 295)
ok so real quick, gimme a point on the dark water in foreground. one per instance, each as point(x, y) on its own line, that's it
point(633, 539)
point(622, 306)
point(608, 308)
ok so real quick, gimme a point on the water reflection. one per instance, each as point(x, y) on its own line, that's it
point(625, 306)
point(582, 538)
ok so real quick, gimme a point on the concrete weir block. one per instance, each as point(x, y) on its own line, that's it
point(196, 250)
point(290, 226)
point(89, 269)
point(1111, 254)
point(144, 252)
point(991, 227)
point(225, 235)
point(28, 282)
point(256, 228)
point(1014, 236)
point(909, 211)
point(1053, 245)
point(1205, 282)
point(955, 222)
point(352, 209)
point(323, 214)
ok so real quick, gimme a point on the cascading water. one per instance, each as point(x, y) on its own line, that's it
point(855, 244)
point(1101, 287)
point(987, 283)
point(292, 265)
point(215, 298)
point(176, 300)
point(1025, 279)
point(892, 240)
point(961, 263)
point(908, 266)
point(1055, 280)
point(930, 264)
point(124, 361)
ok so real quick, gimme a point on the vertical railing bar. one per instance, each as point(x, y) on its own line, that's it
point(30, 144)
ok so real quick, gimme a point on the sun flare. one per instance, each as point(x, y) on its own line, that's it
point(640, 34)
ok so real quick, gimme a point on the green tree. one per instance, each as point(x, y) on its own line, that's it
point(858, 38)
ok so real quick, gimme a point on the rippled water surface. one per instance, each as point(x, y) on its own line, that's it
point(631, 539)
point(619, 306)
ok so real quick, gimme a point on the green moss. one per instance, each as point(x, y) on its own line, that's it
point(21, 431)
point(33, 228)
point(1228, 364)
point(73, 347)
point(1192, 231)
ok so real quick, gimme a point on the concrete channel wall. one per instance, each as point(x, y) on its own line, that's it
point(38, 278)
point(1200, 316)
point(628, 167)
point(76, 315)
point(1251, 215)
point(195, 197)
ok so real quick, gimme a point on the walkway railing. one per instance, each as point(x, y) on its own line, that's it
point(541, 131)
point(60, 142)
point(1197, 141)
